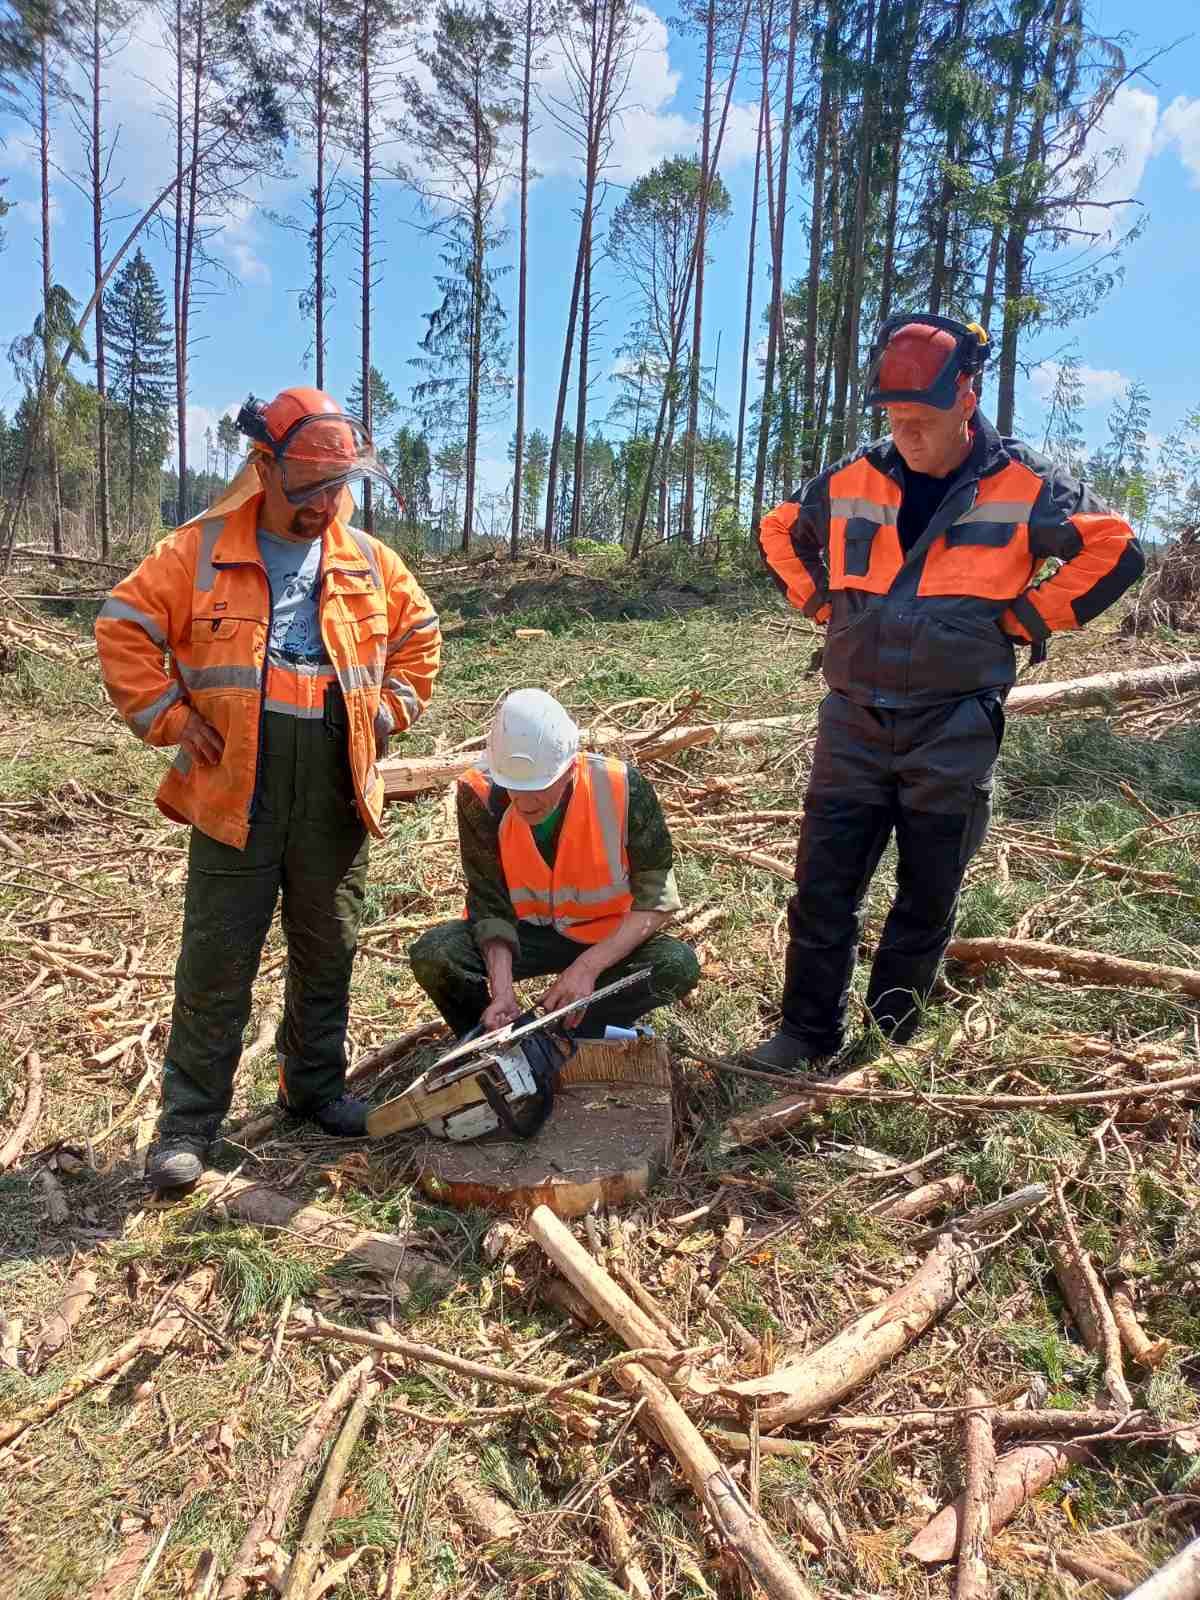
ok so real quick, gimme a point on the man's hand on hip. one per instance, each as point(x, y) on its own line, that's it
point(201, 740)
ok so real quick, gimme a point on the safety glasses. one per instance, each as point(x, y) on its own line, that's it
point(319, 455)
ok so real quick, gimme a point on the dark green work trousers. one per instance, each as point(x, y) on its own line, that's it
point(448, 965)
point(307, 843)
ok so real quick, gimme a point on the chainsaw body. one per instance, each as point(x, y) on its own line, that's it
point(509, 1089)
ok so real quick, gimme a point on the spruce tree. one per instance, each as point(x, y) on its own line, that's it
point(142, 371)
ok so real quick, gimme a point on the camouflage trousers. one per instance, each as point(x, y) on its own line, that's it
point(307, 849)
point(449, 966)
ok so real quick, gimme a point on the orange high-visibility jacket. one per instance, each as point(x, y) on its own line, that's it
point(188, 630)
point(906, 630)
point(586, 894)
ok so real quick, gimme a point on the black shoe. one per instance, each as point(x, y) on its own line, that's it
point(783, 1053)
point(345, 1117)
point(177, 1160)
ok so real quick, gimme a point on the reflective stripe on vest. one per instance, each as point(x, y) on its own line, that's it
point(587, 893)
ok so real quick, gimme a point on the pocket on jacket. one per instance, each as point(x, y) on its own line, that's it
point(858, 539)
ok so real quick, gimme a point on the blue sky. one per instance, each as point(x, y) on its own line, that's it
point(250, 335)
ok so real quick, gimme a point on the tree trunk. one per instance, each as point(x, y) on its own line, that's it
point(688, 511)
point(180, 433)
point(816, 245)
point(776, 320)
point(858, 248)
point(476, 363)
point(945, 204)
point(98, 273)
point(48, 337)
point(522, 277)
point(364, 63)
point(585, 334)
point(319, 208)
point(741, 431)
point(1014, 246)
point(560, 408)
point(189, 251)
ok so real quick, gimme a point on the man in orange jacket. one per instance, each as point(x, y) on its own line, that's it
point(920, 554)
point(279, 648)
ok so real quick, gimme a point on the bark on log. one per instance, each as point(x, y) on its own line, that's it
point(1178, 1580)
point(58, 1327)
point(1074, 694)
point(663, 1418)
point(415, 775)
point(1007, 1423)
point(822, 1378)
point(777, 1116)
point(153, 1339)
point(1080, 1283)
point(1147, 1352)
point(486, 1515)
point(11, 1149)
point(308, 1552)
point(929, 1197)
point(1019, 1476)
point(385, 1255)
point(272, 1516)
point(1094, 966)
point(631, 1575)
point(1084, 1568)
point(979, 1453)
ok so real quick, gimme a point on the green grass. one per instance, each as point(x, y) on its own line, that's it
point(814, 1258)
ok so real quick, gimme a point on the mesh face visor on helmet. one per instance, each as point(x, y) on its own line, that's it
point(921, 359)
point(318, 455)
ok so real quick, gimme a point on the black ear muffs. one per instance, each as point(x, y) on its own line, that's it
point(252, 421)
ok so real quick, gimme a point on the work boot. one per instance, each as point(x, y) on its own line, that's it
point(177, 1160)
point(345, 1117)
point(783, 1053)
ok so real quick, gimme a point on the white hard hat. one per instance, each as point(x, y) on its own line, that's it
point(532, 741)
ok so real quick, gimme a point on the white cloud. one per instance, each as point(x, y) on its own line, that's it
point(1120, 145)
point(1100, 385)
point(647, 128)
point(1180, 126)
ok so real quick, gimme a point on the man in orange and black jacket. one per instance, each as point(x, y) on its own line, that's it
point(920, 554)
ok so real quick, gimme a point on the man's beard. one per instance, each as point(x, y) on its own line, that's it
point(307, 523)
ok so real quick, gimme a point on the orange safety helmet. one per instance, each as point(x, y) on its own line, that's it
point(318, 446)
point(923, 359)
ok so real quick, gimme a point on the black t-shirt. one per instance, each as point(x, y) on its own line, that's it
point(922, 495)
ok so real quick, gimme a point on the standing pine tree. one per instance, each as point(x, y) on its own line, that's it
point(458, 125)
point(142, 372)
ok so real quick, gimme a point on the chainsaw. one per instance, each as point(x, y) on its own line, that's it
point(505, 1079)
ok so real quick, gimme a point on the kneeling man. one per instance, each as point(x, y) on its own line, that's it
point(568, 863)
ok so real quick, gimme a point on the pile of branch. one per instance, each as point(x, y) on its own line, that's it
point(1170, 595)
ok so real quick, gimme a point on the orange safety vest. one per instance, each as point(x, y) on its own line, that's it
point(586, 894)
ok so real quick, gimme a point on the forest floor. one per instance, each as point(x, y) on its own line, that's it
point(123, 1490)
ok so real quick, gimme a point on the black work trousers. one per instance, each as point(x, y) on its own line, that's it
point(926, 776)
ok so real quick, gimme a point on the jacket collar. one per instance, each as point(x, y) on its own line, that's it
point(237, 542)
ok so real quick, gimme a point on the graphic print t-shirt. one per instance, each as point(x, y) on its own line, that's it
point(298, 666)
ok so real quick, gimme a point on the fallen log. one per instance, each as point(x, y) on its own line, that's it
point(272, 1516)
point(920, 1202)
point(663, 1419)
point(59, 1326)
point(1010, 1423)
point(826, 1375)
point(1082, 1567)
point(414, 775)
point(308, 1552)
point(1178, 1580)
point(152, 1339)
point(1019, 1476)
point(631, 1575)
point(1103, 688)
point(11, 1149)
point(777, 1116)
point(1084, 1294)
point(1094, 966)
point(979, 1453)
point(384, 1255)
point(1147, 1352)
point(486, 1515)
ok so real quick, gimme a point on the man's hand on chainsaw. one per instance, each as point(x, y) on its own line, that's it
point(503, 1007)
point(578, 982)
